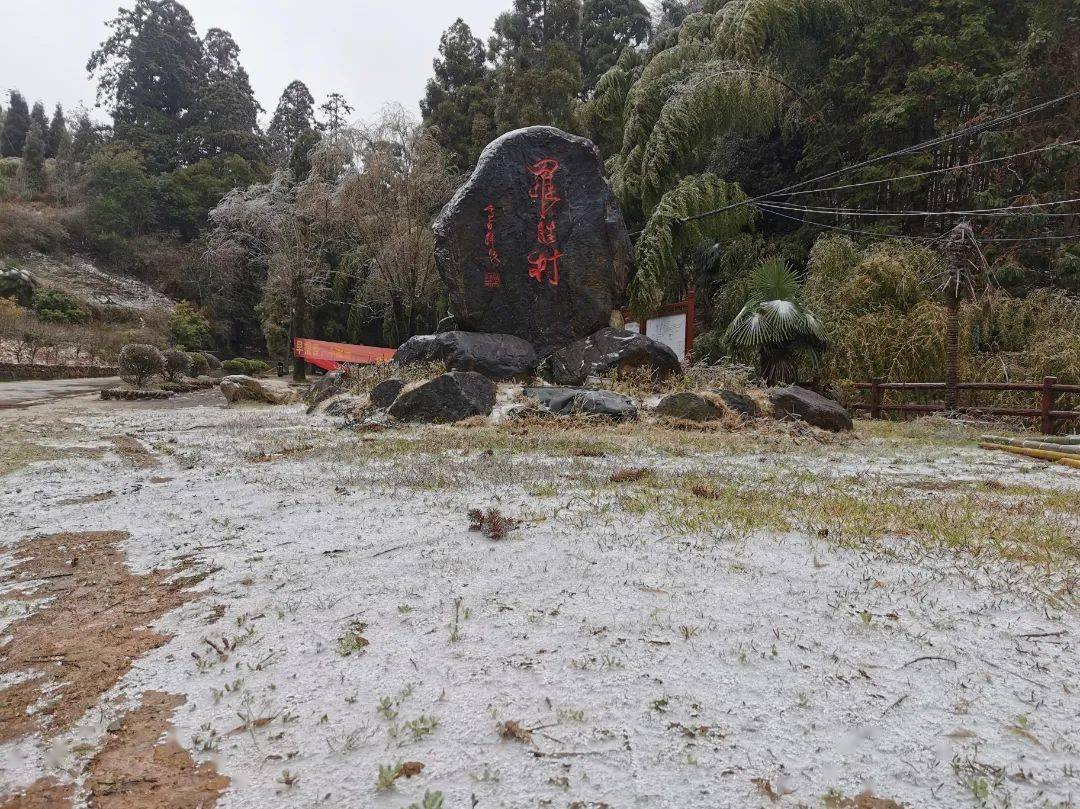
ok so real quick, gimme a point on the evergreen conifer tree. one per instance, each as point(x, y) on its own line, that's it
point(607, 28)
point(16, 126)
point(32, 167)
point(294, 115)
point(225, 118)
point(149, 74)
point(457, 104)
point(535, 48)
point(57, 132)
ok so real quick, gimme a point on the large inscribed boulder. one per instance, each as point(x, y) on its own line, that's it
point(534, 244)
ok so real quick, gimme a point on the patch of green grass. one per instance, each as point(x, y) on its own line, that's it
point(19, 449)
point(1020, 523)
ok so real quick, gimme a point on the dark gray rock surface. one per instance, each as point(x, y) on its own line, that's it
point(383, 394)
point(534, 243)
point(811, 407)
point(497, 356)
point(738, 403)
point(572, 401)
point(445, 399)
point(690, 406)
point(609, 350)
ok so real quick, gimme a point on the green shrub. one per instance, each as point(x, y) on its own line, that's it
point(138, 363)
point(258, 368)
point(188, 327)
point(211, 360)
point(57, 306)
point(709, 347)
point(122, 197)
point(177, 364)
point(245, 367)
point(199, 364)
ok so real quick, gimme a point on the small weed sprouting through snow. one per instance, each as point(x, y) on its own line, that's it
point(491, 523)
point(510, 729)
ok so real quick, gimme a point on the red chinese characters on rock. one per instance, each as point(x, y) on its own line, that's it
point(544, 262)
point(492, 280)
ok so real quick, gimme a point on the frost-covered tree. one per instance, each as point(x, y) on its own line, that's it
point(336, 110)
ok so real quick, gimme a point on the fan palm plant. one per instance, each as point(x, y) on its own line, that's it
point(776, 323)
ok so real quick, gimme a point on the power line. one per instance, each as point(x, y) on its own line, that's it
point(1005, 211)
point(971, 130)
point(879, 235)
point(928, 173)
point(1032, 238)
point(847, 230)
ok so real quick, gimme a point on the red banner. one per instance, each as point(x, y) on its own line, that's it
point(320, 353)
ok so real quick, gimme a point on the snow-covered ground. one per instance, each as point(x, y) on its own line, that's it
point(660, 655)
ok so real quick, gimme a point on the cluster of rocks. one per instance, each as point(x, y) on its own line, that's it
point(534, 254)
point(791, 402)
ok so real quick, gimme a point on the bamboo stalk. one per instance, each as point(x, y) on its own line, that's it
point(1050, 444)
point(1069, 459)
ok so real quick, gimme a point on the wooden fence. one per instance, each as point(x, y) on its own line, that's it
point(1049, 417)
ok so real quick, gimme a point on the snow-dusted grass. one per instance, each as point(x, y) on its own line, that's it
point(766, 611)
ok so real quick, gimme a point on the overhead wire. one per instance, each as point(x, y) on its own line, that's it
point(928, 144)
point(947, 169)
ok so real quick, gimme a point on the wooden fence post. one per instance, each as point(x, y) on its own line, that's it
point(1048, 404)
point(875, 397)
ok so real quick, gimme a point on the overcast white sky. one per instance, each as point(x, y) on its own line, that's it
point(373, 51)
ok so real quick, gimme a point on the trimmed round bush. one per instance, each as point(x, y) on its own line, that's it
point(199, 364)
point(177, 364)
point(245, 367)
point(212, 361)
point(257, 368)
point(139, 363)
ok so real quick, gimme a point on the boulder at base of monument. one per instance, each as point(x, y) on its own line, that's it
point(445, 399)
point(496, 356)
point(581, 401)
point(609, 350)
point(383, 394)
point(534, 244)
point(811, 407)
point(689, 406)
point(738, 403)
point(326, 386)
